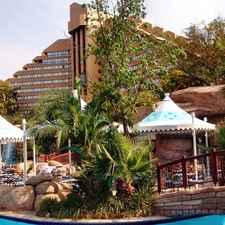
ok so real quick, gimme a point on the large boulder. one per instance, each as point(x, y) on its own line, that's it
point(4, 189)
point(204, 101)
point(46, 188)
point(19, 198)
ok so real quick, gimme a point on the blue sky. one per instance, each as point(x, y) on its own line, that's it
point(30, 26)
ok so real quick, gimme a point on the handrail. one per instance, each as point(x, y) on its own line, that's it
point(62, 158)
point(216, 165)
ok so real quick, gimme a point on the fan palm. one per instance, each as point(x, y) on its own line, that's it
point(219, 135)
point(123, 159)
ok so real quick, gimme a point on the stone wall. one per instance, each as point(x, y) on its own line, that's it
point(190, 202)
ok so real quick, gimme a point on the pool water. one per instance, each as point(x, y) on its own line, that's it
point(203, 220)
point(12, 222)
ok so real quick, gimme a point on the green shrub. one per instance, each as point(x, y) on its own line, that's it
point(48, 206)
point(102, 206)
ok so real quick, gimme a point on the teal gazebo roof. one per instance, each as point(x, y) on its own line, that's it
point(170, 117)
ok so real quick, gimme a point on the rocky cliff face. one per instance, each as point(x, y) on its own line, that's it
point(204, 101)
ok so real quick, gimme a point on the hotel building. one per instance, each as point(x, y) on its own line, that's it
point(62, 62)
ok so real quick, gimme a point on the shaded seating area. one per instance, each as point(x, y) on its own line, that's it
point(9, 176)
point(174, 175)
point(192, 172)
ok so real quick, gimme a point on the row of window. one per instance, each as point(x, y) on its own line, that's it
point(40, 82)
point(139, 56)
point(61, 53)
point(29, 97)
point(25, 112)
point(44, 89)
point(134, 67)
point(49, 67)
point(55, 61)
point(44, 75)
point(27, 104)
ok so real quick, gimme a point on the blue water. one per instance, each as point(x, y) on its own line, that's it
point(204, 220)
point(12, 222)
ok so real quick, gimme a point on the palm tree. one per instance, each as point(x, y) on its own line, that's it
point(57, 114)
point(104, 150)
point(123, 159)
point(219, 134)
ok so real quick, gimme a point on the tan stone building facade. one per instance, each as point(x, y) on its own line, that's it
point(60, 63)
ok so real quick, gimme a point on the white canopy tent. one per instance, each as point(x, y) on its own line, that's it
point(170, 118)
point(8, 133)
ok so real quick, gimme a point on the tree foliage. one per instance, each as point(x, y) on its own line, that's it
point(8, 97)
point(205, 49)
point(130, 57)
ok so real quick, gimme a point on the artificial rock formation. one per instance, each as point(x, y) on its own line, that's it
point(36, 188)
point(29, 197)
point(170, 148)
point(204, 101)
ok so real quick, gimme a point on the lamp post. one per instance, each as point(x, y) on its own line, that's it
point(194, 147)
point(194, 134)
point(24, 151)
point(207, 144)
point(34, 157)
point(70, 162)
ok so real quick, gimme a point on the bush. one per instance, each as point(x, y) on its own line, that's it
point(48, 206)
point(102, 206)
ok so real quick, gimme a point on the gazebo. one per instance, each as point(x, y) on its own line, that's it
point(8, 133)
point(169, 118)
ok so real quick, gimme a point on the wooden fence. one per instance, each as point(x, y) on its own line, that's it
point(208, 168)
point(62, 158)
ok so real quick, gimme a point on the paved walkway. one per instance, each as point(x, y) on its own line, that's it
point(31, 215)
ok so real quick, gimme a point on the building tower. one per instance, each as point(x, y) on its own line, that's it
point(50, 70)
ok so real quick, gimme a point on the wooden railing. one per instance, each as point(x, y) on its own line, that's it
point(192, 171)
point(62, 158)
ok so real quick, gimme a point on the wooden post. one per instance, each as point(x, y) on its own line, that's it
point(159, 178)
point(184, 171)
point(214, 166)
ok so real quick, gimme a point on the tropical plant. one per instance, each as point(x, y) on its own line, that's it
point(122, 159)
point(57, 115)
point(219, 135)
